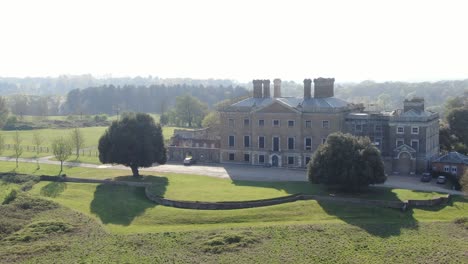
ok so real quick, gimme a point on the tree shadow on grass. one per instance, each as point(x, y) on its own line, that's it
point(115, 204)
point(377, 221)
point(53, 189)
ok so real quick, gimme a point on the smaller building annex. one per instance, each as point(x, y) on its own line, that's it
point(452, 162)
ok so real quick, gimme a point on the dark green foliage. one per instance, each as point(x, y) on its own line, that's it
point(464, 181)
point(458, 122)
point(189, 110)
point(135, 141)
point(347, 162)
point(26, 202)
point(18, 178)
point(10, 197)
point(27, 186)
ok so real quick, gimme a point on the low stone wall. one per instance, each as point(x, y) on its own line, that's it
point(429, 202)
point(267, 202)
point(365, 202)
point(219, 205)
point(199, 205)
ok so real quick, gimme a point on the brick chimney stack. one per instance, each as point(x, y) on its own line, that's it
point(277, 88)
point(266, 88)
point(307, 88)
point(257, 88)
point(323, 87)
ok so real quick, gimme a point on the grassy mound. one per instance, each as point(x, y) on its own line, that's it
point(38, 230)
point(231, 241)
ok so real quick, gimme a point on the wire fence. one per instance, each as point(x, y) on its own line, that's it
point(88, 152)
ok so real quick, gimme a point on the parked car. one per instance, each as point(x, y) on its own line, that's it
point(441, 180)
point(189, 161)
point(426, 177)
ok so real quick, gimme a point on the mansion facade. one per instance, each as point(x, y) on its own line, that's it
point(285, 131)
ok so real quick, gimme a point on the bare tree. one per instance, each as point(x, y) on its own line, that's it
point(37, 141)
point(77, 140)
point(62, 149)
point(2, 144)
point(17, 148)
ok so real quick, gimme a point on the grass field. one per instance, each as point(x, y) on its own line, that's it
point(91, 138)
point(106, 224)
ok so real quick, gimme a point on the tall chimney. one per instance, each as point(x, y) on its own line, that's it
point(323, 87)
point(257, 88)
point(277, 88)
point(307, 88)
point(416, 103)
point(266, 88)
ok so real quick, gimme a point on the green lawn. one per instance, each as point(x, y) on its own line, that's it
point(126, 210)
point(107, 224)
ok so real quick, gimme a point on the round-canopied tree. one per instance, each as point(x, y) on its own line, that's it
point(134, 141)
point(348, 162)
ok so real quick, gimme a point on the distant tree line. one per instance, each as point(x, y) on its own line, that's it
point(61, 85)
point(20, 105)
point(150, 99)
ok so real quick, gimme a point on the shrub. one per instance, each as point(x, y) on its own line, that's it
point(10, 197)
point(39, 230)
point(464, 181)
point(27, 186)
point(27, 202)
point(229, 242)
point(18, 178)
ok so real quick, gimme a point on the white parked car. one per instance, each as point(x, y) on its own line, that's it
point(441, 180)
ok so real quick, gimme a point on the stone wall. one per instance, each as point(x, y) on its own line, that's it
point(204, 155)
point(402, 205)
point(198, 205)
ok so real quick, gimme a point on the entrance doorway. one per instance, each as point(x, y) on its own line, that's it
point(274, 161)
point(404, 163)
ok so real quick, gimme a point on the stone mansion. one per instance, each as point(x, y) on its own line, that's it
point(285, 131)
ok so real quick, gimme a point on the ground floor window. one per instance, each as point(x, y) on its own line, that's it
point(261, 158)
point(290, 160)
point(454, 170)
point(246, 157)
point(446, 168)
point(231, 156)
point(307, 159)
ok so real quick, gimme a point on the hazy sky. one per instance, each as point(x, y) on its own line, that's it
point(349, 40)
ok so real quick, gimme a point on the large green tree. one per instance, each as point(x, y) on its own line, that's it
point(189, 110)
point(348, 162)
point(134, 141)
point(458, 122)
